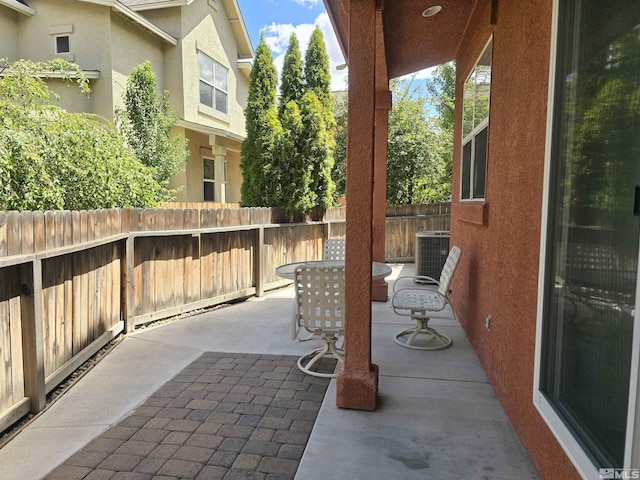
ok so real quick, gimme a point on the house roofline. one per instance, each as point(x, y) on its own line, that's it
point(245, 49)
point(234, 15)
point(136, 18)
point(19, 7)
point(160, 4)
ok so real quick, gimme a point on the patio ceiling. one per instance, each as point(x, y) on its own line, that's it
point(412, 42)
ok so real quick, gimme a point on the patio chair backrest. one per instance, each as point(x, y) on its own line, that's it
point(320, 297)
point(448, 270)
point(334, 249)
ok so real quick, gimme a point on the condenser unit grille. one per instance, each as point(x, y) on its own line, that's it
point(432, 249)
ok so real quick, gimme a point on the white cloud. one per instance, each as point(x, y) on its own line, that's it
point(311, 3)
point(277, 37)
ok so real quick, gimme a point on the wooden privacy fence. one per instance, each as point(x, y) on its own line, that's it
point(404, 221)
point(72, 281)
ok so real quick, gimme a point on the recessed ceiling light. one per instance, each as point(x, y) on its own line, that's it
point(431, 11)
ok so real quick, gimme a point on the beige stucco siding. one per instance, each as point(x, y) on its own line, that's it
point(234, 177)
point(89, 27)
point(131, 46)
point(8, 33)
point(207, 29)
point(169, 20)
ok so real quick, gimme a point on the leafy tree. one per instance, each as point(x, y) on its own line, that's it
point(317, 149)
point(291, 87)
point(318, 82)
point(146, 123)
point(295, 194)
point(419, 157)
point(259, 175)
point(415, 168)
point(442, 90)
point(51, 159)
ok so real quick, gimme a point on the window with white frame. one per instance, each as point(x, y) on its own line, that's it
point(209, 179)
point(213, 83)
point(475, 128)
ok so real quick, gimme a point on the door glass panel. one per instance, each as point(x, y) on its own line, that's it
point(592, 241)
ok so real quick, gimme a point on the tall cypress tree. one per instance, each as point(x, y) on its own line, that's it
point(317, 77)
point(291, 87)
point(317, 114)
point(259, 147)
point(317, 150)
point(295, 193)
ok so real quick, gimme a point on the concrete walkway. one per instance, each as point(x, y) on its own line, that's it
point(438, 416)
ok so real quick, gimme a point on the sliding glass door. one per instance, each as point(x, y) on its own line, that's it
point(592, 237)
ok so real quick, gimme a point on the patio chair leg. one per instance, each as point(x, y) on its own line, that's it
point(422, 327)
point(328, 349)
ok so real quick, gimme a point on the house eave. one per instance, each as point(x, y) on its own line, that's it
point(160, 4)
point(245, 49)
point(19, 7)
point(245, 65)
point(136, 18)
point(220, 132)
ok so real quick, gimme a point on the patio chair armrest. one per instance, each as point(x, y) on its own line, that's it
point(414, 281)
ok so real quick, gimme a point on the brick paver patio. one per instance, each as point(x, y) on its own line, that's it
point(225, 416)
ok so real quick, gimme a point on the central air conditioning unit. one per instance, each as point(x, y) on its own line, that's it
point(432, 249)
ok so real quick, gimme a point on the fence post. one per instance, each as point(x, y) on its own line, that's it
point(128, 300)
point(259, 261)
point(32, 346)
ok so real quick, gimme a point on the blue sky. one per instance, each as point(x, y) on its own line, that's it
point(279, 18)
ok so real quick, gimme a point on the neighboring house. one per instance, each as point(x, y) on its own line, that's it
point(546, 168)
point(199, 51)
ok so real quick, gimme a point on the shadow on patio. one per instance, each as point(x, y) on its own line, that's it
point(438, 416)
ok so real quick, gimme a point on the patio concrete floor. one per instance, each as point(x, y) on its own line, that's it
point(438, 417)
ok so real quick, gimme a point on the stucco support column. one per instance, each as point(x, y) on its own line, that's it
point(357, 382)
point(380, 289)
point(219, 154)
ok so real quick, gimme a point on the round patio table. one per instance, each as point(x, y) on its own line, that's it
point(378, 269)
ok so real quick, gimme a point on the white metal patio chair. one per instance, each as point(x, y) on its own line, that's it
point(334, 249)
point(320, 309)
point(413, 298)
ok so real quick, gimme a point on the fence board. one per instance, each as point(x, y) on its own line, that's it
point(3, 234)
point(15, 320)
point(6, 375)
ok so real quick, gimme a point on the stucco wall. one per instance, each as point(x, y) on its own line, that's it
point(234, 177)
point(131, 46)
point(500, 237)
point(170, 20)
point(208, 30)
point(9, 33)
point(35, 41)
